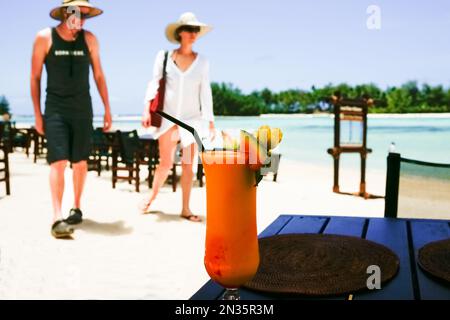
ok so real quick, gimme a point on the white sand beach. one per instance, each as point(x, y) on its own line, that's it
point(118, 253)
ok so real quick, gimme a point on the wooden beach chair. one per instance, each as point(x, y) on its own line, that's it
point(39, 145)
point(128, 154)
point(127, 157)
point(149, 153)
point(7, 136)
point(177, 163)
point(22, 139)
point(101, 151)
point(416, 189)
point(272, 168)
point(18, 138)
point(150, 148)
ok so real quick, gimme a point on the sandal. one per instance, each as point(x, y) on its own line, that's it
point(192, 217)
point(60, 229)
point(75, 216)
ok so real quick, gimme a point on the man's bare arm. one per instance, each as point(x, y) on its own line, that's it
point(40, 49)
point(99, 77)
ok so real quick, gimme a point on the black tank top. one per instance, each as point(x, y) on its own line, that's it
point(68, 67)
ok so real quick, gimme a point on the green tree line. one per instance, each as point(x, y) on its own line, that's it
point(408, 98)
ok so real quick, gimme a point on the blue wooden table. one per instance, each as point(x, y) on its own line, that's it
point(404, 237)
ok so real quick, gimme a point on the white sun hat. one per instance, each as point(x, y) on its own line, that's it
point(186, 19)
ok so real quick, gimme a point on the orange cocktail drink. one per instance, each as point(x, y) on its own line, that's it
point(232, 254)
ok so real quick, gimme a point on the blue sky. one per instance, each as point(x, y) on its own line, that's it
point(255, 44)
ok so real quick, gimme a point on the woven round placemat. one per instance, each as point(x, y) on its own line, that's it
point(434, 258)
point(318, 264)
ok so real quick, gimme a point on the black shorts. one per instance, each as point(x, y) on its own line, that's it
point(68, 138)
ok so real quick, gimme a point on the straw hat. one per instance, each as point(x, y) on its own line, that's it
point(56, 13)
point(186, 19)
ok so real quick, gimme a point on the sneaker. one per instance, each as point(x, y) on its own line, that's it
point(61, 230)
point(75, 216)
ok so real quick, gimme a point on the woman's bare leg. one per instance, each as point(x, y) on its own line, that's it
point(167, 146)
point(187, 174)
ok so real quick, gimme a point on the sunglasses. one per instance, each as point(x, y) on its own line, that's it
point(79, 15)
point(85, 15)
point(190, 29)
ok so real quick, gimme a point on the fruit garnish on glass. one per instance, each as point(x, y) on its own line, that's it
point(229, 141)
point(259, 147)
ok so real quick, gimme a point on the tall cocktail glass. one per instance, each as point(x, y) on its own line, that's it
point(232, 254)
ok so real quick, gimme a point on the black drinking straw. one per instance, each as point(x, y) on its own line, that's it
point(185, 126)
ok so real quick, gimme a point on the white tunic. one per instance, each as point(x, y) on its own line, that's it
point(188, 95)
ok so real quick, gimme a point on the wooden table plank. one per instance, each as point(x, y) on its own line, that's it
point(275, 226)
point(393, 234)
point(347, 226)
point(423, 232)
point(304, 224)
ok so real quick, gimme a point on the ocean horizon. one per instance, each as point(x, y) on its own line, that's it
point(306, 137)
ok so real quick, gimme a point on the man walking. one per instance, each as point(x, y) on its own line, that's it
point(68, 52)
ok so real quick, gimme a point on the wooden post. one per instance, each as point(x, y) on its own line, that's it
point(336, 173)
point(392, 184)
point(114, 167)
point(362, 186)
point(137, 160)
point(337, 124)
point(7, 175)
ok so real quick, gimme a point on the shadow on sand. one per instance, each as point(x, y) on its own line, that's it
point(104, 228)
point(172, 217)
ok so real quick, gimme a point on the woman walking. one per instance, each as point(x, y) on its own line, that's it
point(187, 97)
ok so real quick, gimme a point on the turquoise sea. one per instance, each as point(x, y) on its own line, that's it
point(306, 138)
